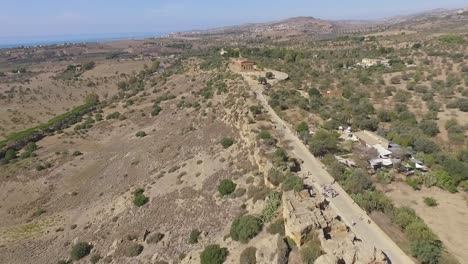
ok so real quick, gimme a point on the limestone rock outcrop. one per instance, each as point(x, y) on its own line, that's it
point(304, 214)
point(272, 251)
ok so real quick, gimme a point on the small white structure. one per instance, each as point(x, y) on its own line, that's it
point(379, 162)
point(383, 152)
point(366, 63)
point(418, 164)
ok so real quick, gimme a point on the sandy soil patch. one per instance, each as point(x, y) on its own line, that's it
point(448, 220)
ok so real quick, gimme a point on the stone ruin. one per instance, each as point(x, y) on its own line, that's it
point(304, 213)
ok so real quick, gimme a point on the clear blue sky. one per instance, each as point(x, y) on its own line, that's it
point(64, 17)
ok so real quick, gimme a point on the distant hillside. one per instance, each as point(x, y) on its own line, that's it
point(314, 26)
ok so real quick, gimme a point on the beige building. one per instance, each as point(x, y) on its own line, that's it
point(247, 65)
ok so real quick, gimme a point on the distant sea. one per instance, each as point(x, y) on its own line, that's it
point(12, 42)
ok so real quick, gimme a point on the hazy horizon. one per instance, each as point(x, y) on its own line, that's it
point(52, 18)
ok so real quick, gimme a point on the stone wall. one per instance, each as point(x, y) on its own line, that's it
point(304, 214)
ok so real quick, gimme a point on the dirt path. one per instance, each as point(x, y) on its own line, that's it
point(343, 204)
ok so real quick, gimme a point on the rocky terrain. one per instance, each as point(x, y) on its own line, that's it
point(165, 150)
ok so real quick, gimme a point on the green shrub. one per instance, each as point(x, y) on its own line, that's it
point(40, 167)
point(464, 185)
point(290, 242)
point(194, 235)
point(77, 153)
point(139, 199)
point(39, 212)
point(264, 135)
point(30, 147)
point(311, 250)
point(227, 142)
point(133, 250)
point(248, 256)
point(95, 259)
point(452, 39)
point(404, 216)
point(98, 117)
point(418, 231)
point(245, 228)
point(280, 158)
point(156, 110)
point(427, 252)
point(415, 182)
point(429, 127)
point(140, 134)
point(373, 201)
point(302, 127)
point(275, 177)
point(429, 201)
point(155, 238)
point(226, 187)
point(80, 250)
point(277, 227)
point(273, 202)
point(256, 109)
point(425, 145)
point(323, 142)
point(444, 180)
point(293, 183)
point(114, 115)
point(358, 181)
point(213, 254)
point(26, 155)
point(10, 155)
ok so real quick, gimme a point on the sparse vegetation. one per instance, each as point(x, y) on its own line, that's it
point(418, 100)
point(39, 212)
point(275, 177)
point(311, 249)
point(227, 142)
point(245, 228)
point(76, 153)
point(194, 235)
point(323, 142)
point(140, 134)
point(80, 250)
point(213, 254)
point(264, 135)
point(429, 201)
point(293, 183)
point(155, 238)
point(272, 204)
point(133, 250)
point(226, 187)
point(248, 256)
point(95, 258)
point(139, 199)
point(277, 227)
